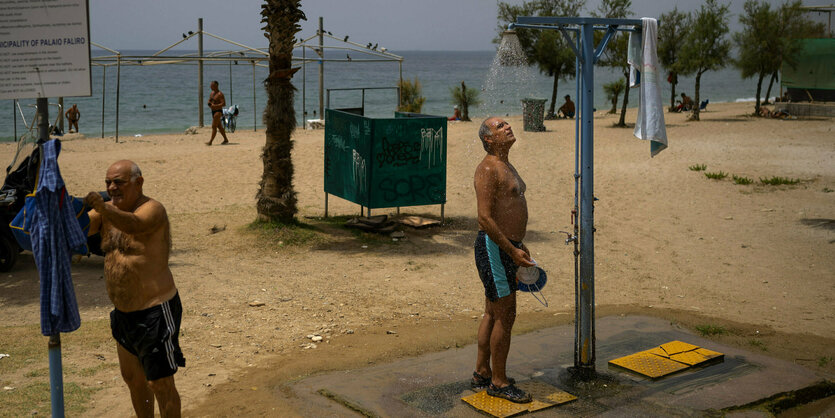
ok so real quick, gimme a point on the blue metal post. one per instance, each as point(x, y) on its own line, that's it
point(584, 350)
point(584, 339)
point(56, 376)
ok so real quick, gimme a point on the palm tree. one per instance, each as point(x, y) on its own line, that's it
point(671, 34)
point(411, 100)
point(613, 91)
point(276, 199)
point(464, 97)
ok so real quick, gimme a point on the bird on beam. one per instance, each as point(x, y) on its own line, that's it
point(346, 39)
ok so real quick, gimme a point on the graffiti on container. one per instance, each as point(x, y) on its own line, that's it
point(415, 188)
point(354, 129)
point(338, 142)
point(359, 172)
point(398, 154)
point(430, 145)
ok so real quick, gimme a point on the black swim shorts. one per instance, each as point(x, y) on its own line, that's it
point(217, 111)
point(495, 267)
point(152, 336)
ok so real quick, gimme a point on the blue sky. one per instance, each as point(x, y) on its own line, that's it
point(394, 24)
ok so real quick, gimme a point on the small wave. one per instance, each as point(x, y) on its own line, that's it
point(748, 99)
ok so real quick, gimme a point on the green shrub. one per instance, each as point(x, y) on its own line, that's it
point(776, 181)
point(410, 98)
point(742, 180)
point(698, 167)
point(464, 97)
point(716, 176)
point(708, 330)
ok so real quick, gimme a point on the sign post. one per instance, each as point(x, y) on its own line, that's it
point(44, 49)
point(45, 52)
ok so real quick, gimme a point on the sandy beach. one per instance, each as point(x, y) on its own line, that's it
point(756, 259)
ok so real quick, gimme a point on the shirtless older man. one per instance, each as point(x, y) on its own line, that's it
point(502, 220)
point(146, 320)
point(217, 101)
point(73, 115)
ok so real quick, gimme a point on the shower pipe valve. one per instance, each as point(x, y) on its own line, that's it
point(568, 237)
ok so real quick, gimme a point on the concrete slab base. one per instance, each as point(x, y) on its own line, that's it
point(433, 384)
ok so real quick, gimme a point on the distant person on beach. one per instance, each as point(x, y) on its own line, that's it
point(567, 109)
point(777, 114)
point(136, 240)
point(73, 115)
point(499, 252)
point(217, 102)
point(685, 104)
point(456, 113)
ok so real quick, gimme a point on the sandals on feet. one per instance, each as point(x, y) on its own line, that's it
point(509, 392)
point(479, 382)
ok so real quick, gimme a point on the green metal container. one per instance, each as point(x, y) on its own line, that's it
point(386, 162)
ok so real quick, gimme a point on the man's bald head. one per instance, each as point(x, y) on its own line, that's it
point(124, 184)
point(128, 165)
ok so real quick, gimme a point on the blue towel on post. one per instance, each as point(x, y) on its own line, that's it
point(54, 232)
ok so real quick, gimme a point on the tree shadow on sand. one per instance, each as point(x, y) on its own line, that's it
point(455, 237)
point(21, 285)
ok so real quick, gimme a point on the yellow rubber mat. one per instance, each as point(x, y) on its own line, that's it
point(648, 364)
point(666, 359)
point(543, 394)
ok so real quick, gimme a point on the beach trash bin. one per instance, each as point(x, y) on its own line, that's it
point(533, 114)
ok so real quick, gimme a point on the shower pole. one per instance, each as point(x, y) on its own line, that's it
point(584, 342)
point(200, 71)
point(587, 55)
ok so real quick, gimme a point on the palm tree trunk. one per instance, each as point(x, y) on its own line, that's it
point(673, 93)
point(759, 90)
point(276, 199)
point(465, 111)
point(770, 83)
point(622, 120)
point(695, 115)
point(551, 108)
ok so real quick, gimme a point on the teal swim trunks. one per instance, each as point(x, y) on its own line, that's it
point(495, 267)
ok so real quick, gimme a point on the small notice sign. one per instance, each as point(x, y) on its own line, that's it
point(44, 48)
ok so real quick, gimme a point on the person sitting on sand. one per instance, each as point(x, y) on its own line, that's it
point(217, 102)
point(499, 252)
point(73, 115)
point(567, 109)
point(685, 104)
point(777, 114)
point(456, 114)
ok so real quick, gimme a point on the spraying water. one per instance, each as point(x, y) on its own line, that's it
point(510, 78)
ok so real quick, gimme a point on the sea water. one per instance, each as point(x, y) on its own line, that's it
point(164, 98)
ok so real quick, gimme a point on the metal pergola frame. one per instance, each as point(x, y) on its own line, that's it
point(256, 57)
point(583, 235)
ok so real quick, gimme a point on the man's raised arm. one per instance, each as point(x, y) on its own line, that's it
point(146, 218)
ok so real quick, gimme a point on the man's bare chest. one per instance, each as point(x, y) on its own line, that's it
point(118, 241)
